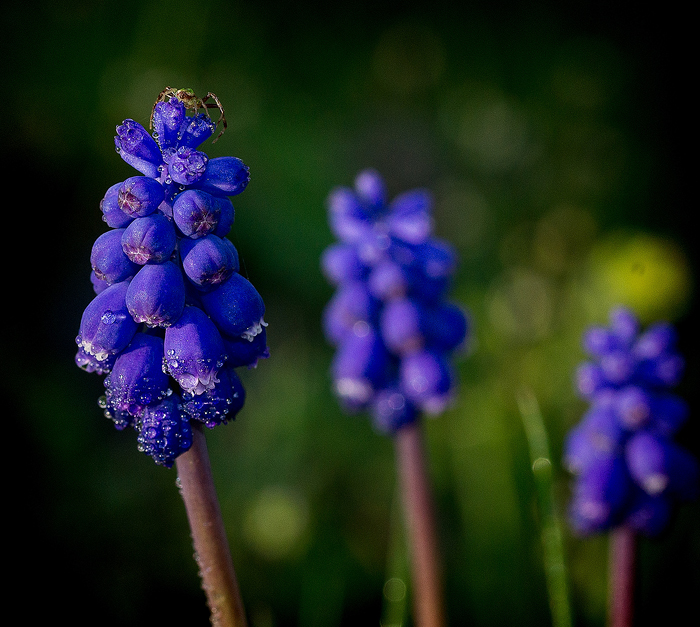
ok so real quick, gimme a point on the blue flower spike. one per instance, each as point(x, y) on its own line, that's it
point(627, 469)
point(172, 317)
point(393, 328)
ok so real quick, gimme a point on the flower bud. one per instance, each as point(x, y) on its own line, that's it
point(391, 410)
point(149, 240)
point(109, 263)
point(164, 431)
point(196, 130)
point(341, 264)
point(359, 368)
point(138, 148)
point(599, 495)
point(156, 295)
point(186, 166)
point(106, 327)
point(195, 213)
point(410, 217)
point(225, 176)
point(242, 352)
point(236, 307)
point(208, 261)
point(194, 351)
point(426, 379)
point(111, 212)
point(218, 405)
point(136, 381)
point(168, 117)
point(140, 196)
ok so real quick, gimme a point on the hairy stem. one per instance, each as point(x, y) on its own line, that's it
point(622, 566)
point(418, 510)
point(209, 536)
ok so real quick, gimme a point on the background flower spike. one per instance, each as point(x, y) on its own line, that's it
point(394, 336)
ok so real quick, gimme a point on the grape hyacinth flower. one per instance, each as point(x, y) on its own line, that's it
point(395, 333)
point(629, 473)
point(172, 318)
point(166, 271)
point(627, 468)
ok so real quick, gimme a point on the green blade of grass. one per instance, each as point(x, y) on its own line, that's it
point(550, 527)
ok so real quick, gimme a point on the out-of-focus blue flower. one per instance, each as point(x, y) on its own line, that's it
point(389, 320)
point(628, 470)
point(171, 317)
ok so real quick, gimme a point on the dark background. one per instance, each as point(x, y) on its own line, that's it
point(555, 140)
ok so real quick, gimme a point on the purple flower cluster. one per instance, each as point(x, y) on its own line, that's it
point(628, 471)
point(172, 317)
point(392, 327)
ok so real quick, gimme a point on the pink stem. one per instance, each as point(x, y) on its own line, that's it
point(418, 510)
point(210, 542)
point(622, 565)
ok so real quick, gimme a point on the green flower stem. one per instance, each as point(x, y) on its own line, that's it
point(550, 527)
point(209, 536)
point(427, 590)
point(621, 577)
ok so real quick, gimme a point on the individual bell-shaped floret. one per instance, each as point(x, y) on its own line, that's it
point(657, 464)
point(140, 196)
point(196, 130)
point(136, 381)
point(599, 434)
point(156, 295)
point(359, 367)
point(236, 307)
point(168, 118)
point(656, 341)
point(431, 269)
point(164, 431)
point(111, 211)
point(401, 325)
point(195, 213)
point(371, 191)
point(106, 327)
point(391, 410)
point(107, 258)
point(388, 280)
point(208, 261)
point(135, 145)
point(427, 380)
point(446, 327)
point(341, 264)
point(149, 240)
point(185, 165)
point(218, 405)
point(600, 495)
point(633, 406)
point(351, 305)
point(194, 351)
point(409, 217)
point(348, 219)
point(243, 352)
point(225, 176)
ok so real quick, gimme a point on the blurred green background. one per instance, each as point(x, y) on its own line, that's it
point(553, 136)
